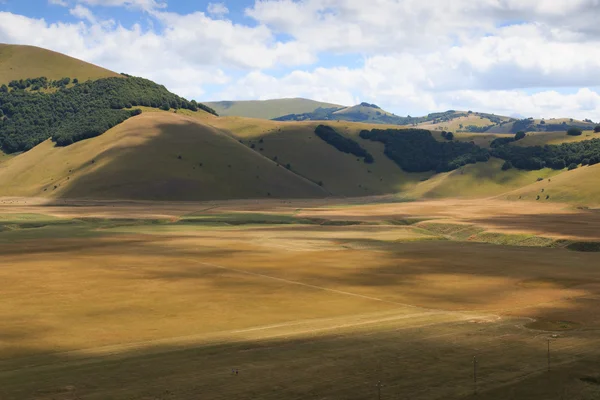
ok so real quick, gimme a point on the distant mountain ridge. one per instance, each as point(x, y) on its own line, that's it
point(268, 109)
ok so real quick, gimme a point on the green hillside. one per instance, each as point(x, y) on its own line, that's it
point(267, 109)
point(22, 62)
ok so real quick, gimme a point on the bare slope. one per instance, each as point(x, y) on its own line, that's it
point(267, 109)
point(162, 156)
point(22, 62)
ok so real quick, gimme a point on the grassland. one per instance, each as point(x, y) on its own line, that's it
point(576, 187)
point(267, 109)
point(458, 123)
point(169, 297)
point(477, 181)
point(544, 138)
point(22, 62)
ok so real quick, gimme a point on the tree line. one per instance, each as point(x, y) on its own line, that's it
point(70, 114)
point(551, 156)
point(416, 150)
point(342, 143)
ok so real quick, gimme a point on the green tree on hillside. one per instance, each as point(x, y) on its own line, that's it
point(76, 113)
point(519, 135)
point(597, 129)
point(574, 132)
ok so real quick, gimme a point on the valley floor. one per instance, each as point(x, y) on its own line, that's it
point(316, 299)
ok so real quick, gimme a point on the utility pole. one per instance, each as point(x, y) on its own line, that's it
point(379, 385)
point(475, 374)
point(548, 355)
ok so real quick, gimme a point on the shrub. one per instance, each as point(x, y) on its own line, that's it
point(597, 129)
point(574, 132)
point(572, 166)
point(520, 135)
point(506, 166)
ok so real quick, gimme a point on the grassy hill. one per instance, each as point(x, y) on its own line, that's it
point(543, 138)
point(267, 109)
point(579, 186)
point(463, 121)
point(155, 156)
point(476, 181)
point(541, 125)
point(296, 144)
point(22, 62)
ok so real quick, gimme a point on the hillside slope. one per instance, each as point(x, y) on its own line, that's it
point(154, 156)
point(267, 109)
point(296, 144)
point(476, 181)
point(579, 186)
point(22, 62)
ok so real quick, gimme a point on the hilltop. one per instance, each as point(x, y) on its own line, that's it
point(268, 109)
point(22, 62)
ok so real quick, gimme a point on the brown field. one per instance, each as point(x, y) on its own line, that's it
point(307, 298)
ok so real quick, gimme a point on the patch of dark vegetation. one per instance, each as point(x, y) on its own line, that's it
point(406, 221)
point(79, 112)
point(415, 150)
point(342, 143)
point(330, 222)
point(551, 156)
point(587, 247)
point(594, 380)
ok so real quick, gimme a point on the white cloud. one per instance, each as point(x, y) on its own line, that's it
point(417, 56)
point(217, 9)
point(147, 5)
point(84, 13)
point(62, 3)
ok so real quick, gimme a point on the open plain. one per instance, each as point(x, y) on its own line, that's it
point(318, 299)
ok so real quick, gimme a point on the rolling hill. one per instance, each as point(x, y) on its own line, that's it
point(154, 156)
point(22, 62)
point(363, 112)
point(267, 109)
point(129, 138)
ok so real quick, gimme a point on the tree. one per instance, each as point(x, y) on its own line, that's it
point(597, 129)
point(520, 135)
point(165, 107)
point(3, 89)
point(572, 166)
point(506, 166)
point(449, 136)
point(574, 132)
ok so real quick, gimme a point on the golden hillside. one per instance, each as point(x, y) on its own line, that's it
point(155, 156)
point(22, 62)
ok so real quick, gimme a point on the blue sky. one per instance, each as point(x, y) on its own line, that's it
point(516, 57)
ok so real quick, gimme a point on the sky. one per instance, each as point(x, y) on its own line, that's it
point(523, 58)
